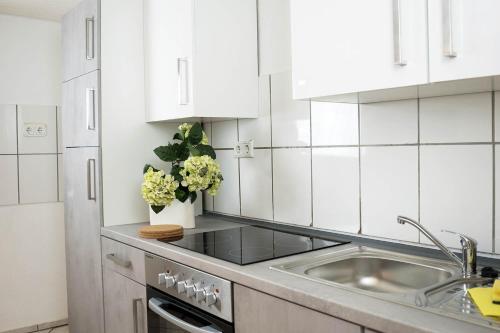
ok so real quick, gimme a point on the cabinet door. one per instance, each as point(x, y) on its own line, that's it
point(124, 304)
point(80, 39)
point(463, 39)
point(168, 38)
point(252, 314)
point(82, 202)
point(343, 46)
point(81, 111)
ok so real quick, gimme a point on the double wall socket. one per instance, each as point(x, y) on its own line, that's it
point(34, 129)
point(243, 149)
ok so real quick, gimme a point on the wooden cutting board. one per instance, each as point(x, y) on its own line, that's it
point(161, 231)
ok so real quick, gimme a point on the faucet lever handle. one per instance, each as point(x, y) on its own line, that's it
point(466, 241)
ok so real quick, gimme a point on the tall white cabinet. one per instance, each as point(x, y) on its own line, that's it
point(343, 46)
point(200, 59)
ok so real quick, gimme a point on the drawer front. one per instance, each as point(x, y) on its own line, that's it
point(123, 259)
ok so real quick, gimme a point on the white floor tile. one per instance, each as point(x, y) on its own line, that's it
point(334, 123)
point(335, 173)
point(37, 178)
point(290, 118)
point(256, 185)
point(227, 200)
point(456, 192)
point(292, 185)
point(394, 122)
point(389, 187)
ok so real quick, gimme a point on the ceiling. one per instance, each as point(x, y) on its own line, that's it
point(42, 9)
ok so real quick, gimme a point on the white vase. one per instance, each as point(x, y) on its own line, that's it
point(181, 213)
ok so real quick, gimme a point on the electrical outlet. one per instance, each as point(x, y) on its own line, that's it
point(34, 129)
point(244, 149)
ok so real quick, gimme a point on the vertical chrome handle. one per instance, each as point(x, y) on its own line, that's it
point(135, 308)
point(89, 38)
point(182, 81)
point(91, 181)
point(448, 29)
point(91, 105)
point(399, 58)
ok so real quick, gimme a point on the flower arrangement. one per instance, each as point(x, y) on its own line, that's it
point(193, 169)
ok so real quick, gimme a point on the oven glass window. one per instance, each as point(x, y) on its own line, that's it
point(160, 325)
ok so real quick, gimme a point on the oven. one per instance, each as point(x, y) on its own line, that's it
point(183, 299)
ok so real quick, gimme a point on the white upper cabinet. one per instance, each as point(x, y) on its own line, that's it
point(80, 39)
point(341, 46)
point(464, 39)
point(200, 59)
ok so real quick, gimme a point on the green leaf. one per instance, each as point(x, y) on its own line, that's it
point(193, 196)
point(195, 134)
point(206, 150)
point(175, 172)
point(193, 150)
point(178, 136)
point(182, 151)
point(167, 153)
point(146, 168)
point(157, 209)
point(182, 193)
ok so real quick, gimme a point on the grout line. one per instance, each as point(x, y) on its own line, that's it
point(360, 230)
point(239, 162)
point(211, 141)
point(418, 169)
point(17, 151)
point(258, 36)
point(311, 165)
point(272, 153)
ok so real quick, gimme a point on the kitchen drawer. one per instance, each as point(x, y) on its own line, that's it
point(123, 259)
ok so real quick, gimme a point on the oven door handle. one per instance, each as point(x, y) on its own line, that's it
point(155, 304)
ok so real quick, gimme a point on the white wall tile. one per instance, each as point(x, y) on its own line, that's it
point(497, 116)
point(274, 36)
point(60, 145)
point(37, 178)
point(60, 177)
point(8, 180)
point(292, 185)
point(208, 202)
point(389, 187)
point(259, 129)
point(257, 185)
point(394, 122)
point(497, 199)
point(456, 192)
point(335, 175)
point(290, 118)
point(227, 200)
point(334, 123)
point(207, 128)
point(37, 114)
point(8, 129)
point(224, 134)
point(462, 118)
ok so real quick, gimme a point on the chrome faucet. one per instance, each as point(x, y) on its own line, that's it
point(469, 247)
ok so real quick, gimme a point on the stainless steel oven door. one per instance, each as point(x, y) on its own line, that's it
point(169, 315)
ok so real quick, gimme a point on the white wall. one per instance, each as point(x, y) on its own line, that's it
point(33, 277)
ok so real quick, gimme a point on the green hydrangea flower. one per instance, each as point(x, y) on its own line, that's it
point(158, 189)
point(184, 128)
point(201, 173)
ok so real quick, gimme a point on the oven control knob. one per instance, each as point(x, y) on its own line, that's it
point(170, 281)
point(181, 287)
point(162, 278)
point(200, 294)
point(190, 290)
point(210, 298)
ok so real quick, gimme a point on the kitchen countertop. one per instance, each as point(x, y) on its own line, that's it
point(374, 313)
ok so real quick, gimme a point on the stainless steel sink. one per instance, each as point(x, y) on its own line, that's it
point(379, 274)
point(372, 270)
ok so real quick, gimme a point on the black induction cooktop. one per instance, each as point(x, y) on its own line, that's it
point(251, 244)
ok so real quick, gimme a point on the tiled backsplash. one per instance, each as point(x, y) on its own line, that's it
point(30, 166)
point(354, 168)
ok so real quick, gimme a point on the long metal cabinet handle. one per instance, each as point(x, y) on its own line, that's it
point(89, 38)
point(91, 106)
point(91, 181)
point(182, 81)
point(120, 262)
point(448, 29)
point(135, 308)
point(399, 58)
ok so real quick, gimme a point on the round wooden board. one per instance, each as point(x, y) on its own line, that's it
point(161, 231)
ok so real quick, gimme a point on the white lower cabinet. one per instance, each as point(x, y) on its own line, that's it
point(258, 312)
point(125, 304)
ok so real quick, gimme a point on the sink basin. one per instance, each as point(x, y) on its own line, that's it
point(378, 274)
point(372, 270)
